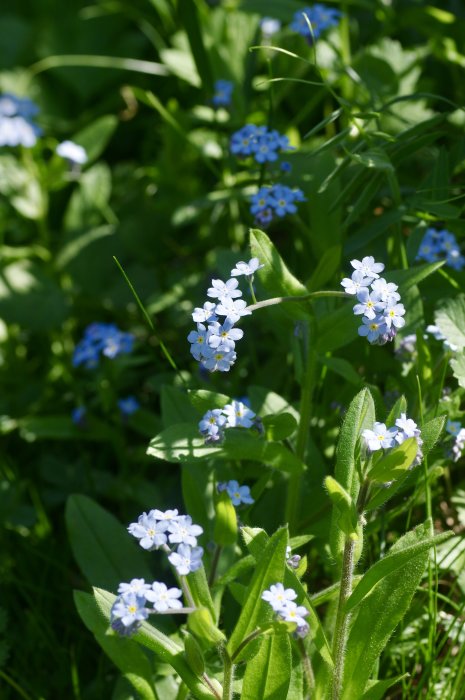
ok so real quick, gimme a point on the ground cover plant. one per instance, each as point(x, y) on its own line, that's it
point(232, 350)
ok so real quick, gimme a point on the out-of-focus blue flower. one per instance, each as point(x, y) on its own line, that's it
point(285, 167)
point(223, 93)
point(78, 416)
point(101, 339)
point(320, 17)
point(441, 245)
point(128, 405)
point(259, 142)
point(276, 200)
point(16, 125)
point(72, 152)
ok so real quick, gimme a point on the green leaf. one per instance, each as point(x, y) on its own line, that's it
point(450, 319)
point(183, 442)
point(104, 551)
point(256, 540)
point(381, 611)
point(343, 368)
point(373, 230)
point(327, 267)
point(458, 367)
point(408, 278)
point(21, 186)
point(175, 406)
point(336, 328)
point(225, 531)
point(275, 276)
point(125, 653)
point(257, 612)
point(188, 15)
point(431, 432)
point(201, 591)
point(360, 415)
point(268, 675)
point(373, 158)
point(395, 462)
point(203, 400)
point(376, 690)
point(95, 137)
point(89, 202)
point(265, 402)
point(345, 507)
point(168, 651)
point(392, 563)
point(279, 426)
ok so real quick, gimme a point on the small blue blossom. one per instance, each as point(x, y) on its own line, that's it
point(187, 559)
point(16, 125)
point(247, 269)
point(127, 613)
point(453, 427)
point(320, 17)
point(379, 437)
point(101, 339)
point(128, 405)
point(212, 423)
point(285, 167)
point(238, 494)
point(372, 328)
point(223, 93)
point(269, 26)
point(238, 415)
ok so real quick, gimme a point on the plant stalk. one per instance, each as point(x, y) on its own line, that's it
point(342, 619)
point(308, 383)
point(228, 676)
point(304, 297)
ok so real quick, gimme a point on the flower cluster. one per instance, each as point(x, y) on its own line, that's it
point(72, 152)
point(213, 343)
point(282, 601)
point(387, 438)
point(101, 339)
point(17, 127)
point(320, 17)
point(223, 93)
point(233, 415)
point(163, 529)
point(382, 314)
point(441, 245)
point(275, 200)
point(455, 429)
point(258, 141)
point(238, 494)
point(130, 607)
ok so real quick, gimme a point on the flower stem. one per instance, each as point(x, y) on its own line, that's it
point(216, 558)
point(342, 618)
point(252, 293)
point(250, 637)
point(304, 297)
point(308, 382)
point(307, 667)
point(228, 676)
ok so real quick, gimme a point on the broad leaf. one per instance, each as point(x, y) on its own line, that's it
point(279, 426)
point(203, 400)
point(107, 555)
point(268, 675)
point(395, 462)
point(450, 319)
point(125, 653)
point(458, 367)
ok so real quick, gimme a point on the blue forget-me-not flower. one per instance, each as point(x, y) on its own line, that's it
point(441, 245)
point(320, 17)
point(17, 127)
point(101, 339)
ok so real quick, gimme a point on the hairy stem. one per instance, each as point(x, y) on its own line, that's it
point(228, 676)
point(216, 559)
point(307, 667)
point(250, 637)
point(342, 619)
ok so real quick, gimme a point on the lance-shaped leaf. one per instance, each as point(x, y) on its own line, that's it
point(256, 540)
point(225, 531)
point(279, 427)
point(204, 400)
point(360, 415)
point(395, 463)
point(392, 562)
point(182, 442)
point(275, 276)
point(268, 675)
point(376, 690)
point(257, 612)
point(344, 505)
point(380, 612)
